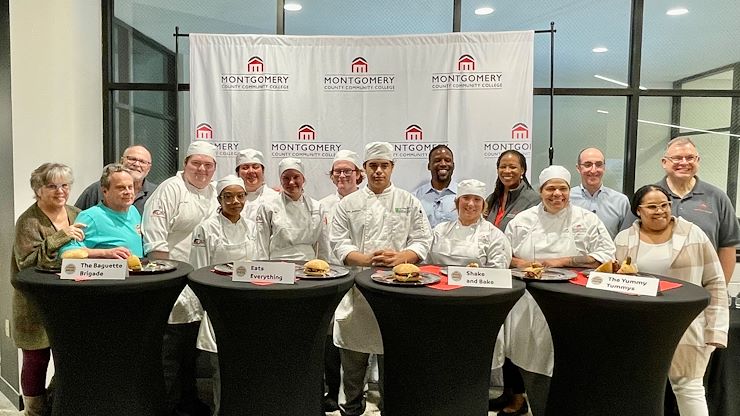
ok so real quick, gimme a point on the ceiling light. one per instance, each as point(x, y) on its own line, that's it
point(599, 49)
point(482, 11)
point(292, 7)
point(678, 11)
point(614, 81)
point(602, 111)
point(676, 126)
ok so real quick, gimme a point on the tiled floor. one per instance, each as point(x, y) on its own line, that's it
point(7, 409)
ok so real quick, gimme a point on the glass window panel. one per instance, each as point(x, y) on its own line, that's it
point(721, 80)
point(156, 19)
point(654, 132)
point(357, 17)
point(678, 47)
point(705, 113)
point(148, 120)
point(137, 58)
point(581, 26)
point(580, 122)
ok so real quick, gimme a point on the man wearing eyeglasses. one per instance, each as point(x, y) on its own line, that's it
point(612, 207)
point(138, 161)
point(699, 202)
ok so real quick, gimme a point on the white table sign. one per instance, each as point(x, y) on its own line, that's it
point(623, 283)
point(94, 269)
point(479, 277)
point(248, 271)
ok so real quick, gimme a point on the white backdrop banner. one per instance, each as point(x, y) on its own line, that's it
point(308, 97)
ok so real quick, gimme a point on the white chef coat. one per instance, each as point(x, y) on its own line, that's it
point(170, 215)
point(216, 241)
point(366, 222)
point(455, 244)
point(329, 205)
point(254, 199)
point(291, 230)
point(537, 235)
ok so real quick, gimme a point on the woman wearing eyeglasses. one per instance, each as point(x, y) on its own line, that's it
point(40, 231)
point(662, 244)
point(225, 236)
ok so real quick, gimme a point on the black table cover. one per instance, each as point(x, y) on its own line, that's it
point(106, 337)
point(723, 373)
point(613, 351)
point(438, 345)
point(270, 341)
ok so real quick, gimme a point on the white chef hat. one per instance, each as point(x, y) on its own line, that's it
point(229, 180)
point(201, 148)
point(346, 156)
point(250, 156)
point(290, 163)
point(554, 172)
point(378, 150)
point(471, 187)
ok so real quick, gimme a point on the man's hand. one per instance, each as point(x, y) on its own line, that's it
point(390, 258)
point(117, 253)
point(519, 263)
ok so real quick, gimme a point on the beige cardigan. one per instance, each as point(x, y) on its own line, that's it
point(695, 261)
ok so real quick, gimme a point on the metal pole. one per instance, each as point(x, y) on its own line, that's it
point(551, 150)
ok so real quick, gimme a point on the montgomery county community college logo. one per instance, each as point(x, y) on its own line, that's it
point(255, 64)
point(413, 145)
point(224, 147)
point(306, 132)
point(519, 140)
point(413, 132)
point(466, 63)
point(359, 65)
point(467, 77)
point(305, 145)
point(359, 79)
point(255, 78)
point(203, 132)
point(520, 131)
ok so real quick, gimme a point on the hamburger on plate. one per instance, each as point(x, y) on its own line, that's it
point(406, 272)
point(316, 267)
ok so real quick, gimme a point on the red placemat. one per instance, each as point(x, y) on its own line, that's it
point(663, 285)
point(442, 284)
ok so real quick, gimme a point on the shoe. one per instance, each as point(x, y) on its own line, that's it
point(522, 410)
point(329, 404)
point(495, 405)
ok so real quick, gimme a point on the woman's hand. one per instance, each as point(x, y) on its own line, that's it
point(75, 231)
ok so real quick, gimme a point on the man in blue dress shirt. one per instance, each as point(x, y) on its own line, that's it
point(612, 207)
point(438, 196)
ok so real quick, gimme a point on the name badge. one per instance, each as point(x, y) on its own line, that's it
point(633, 285)
point(262, 271)
point(479, 277)
point(94, 269)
